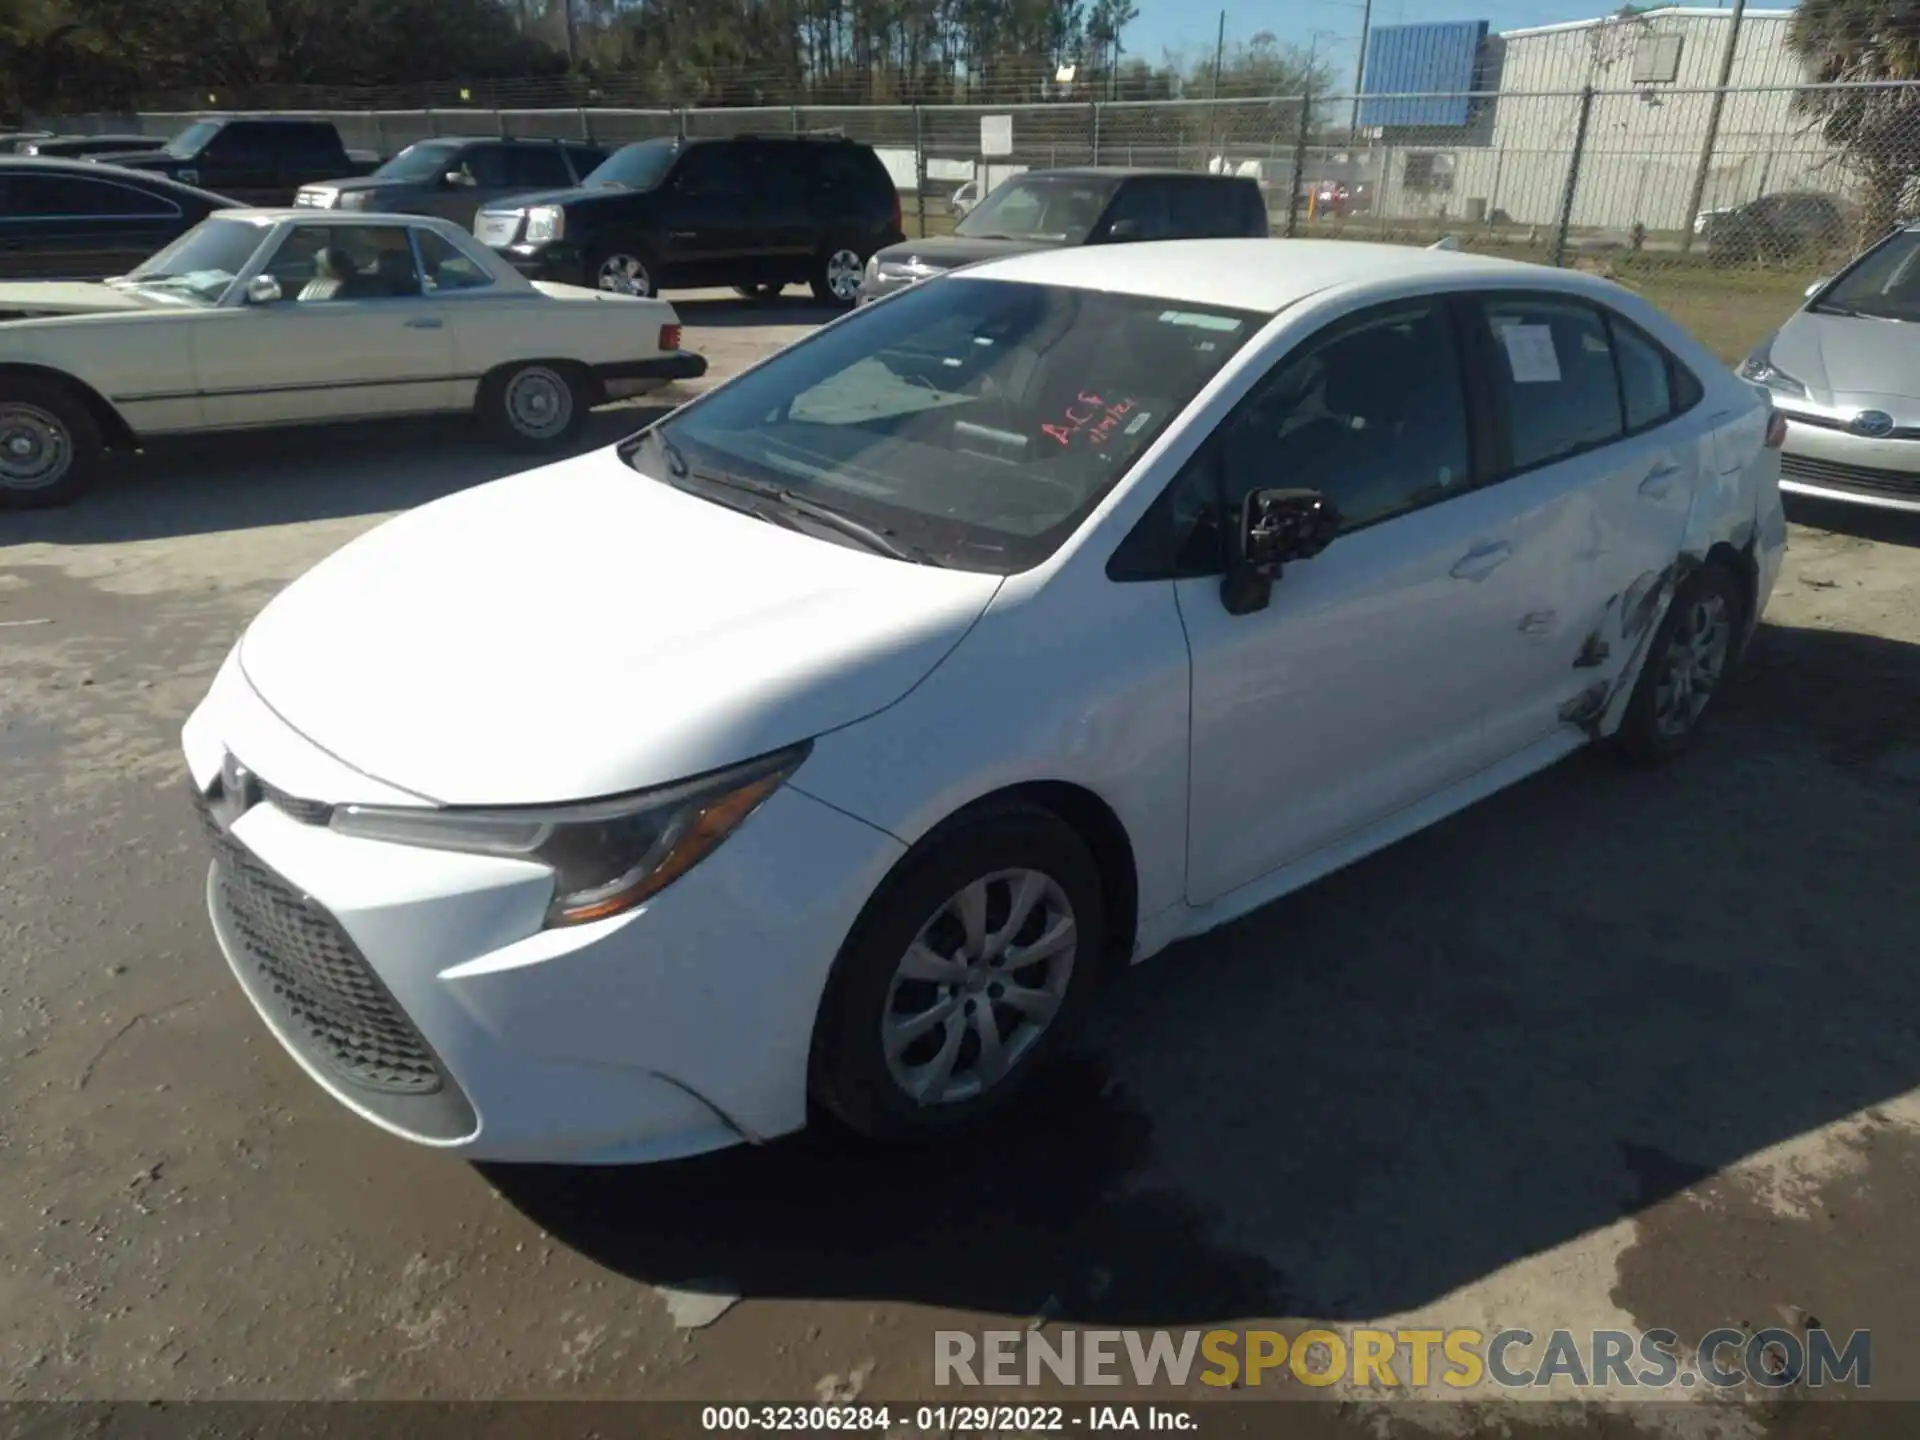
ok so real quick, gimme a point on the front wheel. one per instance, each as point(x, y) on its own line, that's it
point(623, 270)
point(836, 275)
point(1689, 657)
point(961, 974)
point(535, 406)
point(50, 448)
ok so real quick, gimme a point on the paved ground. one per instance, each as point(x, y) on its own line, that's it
point(1613, 1049)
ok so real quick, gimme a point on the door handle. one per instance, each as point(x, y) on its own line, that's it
point(424, 322)
point(1659, 480)
point(1481, 561)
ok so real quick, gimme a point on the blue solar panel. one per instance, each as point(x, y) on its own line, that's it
point(1430, 66)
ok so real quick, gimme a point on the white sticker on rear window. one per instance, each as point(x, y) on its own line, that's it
point(1138, 423)
point(1224, 323)
point(1530, 354)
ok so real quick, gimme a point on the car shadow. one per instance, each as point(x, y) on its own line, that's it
point(214, 483)
point(1557, 1009)
point(796, 306)
point(1864, 522)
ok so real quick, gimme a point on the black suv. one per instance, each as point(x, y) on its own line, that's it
point(1081, 205)
point(455, 177)
point(756, 212)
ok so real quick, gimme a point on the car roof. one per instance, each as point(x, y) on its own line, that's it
point(1129, 172)
point(504, 140)
point(1257, 275)
point(274, 214)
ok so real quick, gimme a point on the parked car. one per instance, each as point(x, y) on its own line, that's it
point(1339, 198)
point(757, 212)
point(1845, 372)
point(454, 177)
point(1082, 205)
point(1790, 226)
point(964, 199)
point(71, 220)
point(286, 317)
point(821, 747)
point(258, 161)
point(72, 147)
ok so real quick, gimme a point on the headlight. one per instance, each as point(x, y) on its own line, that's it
point(1760, 369)
point(545, 223)
point(607, 856)
point(352, 199)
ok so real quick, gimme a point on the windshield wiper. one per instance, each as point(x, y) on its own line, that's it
point(880, 541)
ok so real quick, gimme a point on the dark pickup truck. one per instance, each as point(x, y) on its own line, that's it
point(254, 161)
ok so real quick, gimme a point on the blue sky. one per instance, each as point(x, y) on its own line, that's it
point(1187, 27)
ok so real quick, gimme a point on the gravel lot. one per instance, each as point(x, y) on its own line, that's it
point(1613, 1049)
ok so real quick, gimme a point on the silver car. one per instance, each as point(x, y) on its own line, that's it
point(1845, 373)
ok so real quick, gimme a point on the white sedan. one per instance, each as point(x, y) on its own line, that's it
point(832, 738)
point(258, 318)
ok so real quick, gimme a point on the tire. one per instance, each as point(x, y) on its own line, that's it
point(994, 853)
point(765, 290)
point(622, 269)
point(535, 405)
point(1691, 654)
point(50, 447)
point(831, 269)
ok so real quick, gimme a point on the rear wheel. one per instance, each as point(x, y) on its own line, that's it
point(50, 448)
point(537, 405)
point(836, 275)
point(1690, 655)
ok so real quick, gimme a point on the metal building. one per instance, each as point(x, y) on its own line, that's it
point(1494, 124)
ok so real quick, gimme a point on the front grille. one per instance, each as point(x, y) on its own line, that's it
point(314, 978)
point(1863, 480)
point(496, 230)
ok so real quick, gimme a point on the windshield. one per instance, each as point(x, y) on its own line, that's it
point(635, 167)
point(976, 421)
point(426, 161)
point(202, 263)
point(1057, 209)
point(189, 141)
point(1885, 285)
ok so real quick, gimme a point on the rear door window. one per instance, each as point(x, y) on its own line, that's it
point(1552, 374)
point(713, 171)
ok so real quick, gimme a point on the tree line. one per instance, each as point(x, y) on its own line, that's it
point(93, 55)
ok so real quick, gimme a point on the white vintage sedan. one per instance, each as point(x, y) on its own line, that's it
point(258, 318)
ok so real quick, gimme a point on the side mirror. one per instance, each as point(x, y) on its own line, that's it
point(1276, 528)
point(263, 290)
point(1124, 230)
point(1817, 286)
point(457, 179)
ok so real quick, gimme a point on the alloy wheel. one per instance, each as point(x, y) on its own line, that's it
point(844, 270)
point(1695, 659)
point(624, 275)
point(36, 451)
point(539, 403)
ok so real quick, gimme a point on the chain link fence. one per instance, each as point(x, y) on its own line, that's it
point(1710, 201)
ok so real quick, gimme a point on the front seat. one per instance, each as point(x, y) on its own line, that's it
point(331, 268)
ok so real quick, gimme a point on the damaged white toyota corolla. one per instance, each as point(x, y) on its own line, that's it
point(829, 740)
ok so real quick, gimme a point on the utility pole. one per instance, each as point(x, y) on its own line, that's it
point(1213, 101)
point(566, 9)
point(1360, 71)
point(1713, 127)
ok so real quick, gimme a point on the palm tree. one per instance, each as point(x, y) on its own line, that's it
point(1876, 128)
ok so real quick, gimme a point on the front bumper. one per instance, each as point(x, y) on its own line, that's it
point(1835, 464)
point(559, 261)
point(419, 989)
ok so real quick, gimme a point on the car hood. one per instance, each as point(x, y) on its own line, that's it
point(574, 195)
point(360, 183)
point(1843, 359)
point(140, 159)
point(581, 630)
point(66, 297)
point(949, 252)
